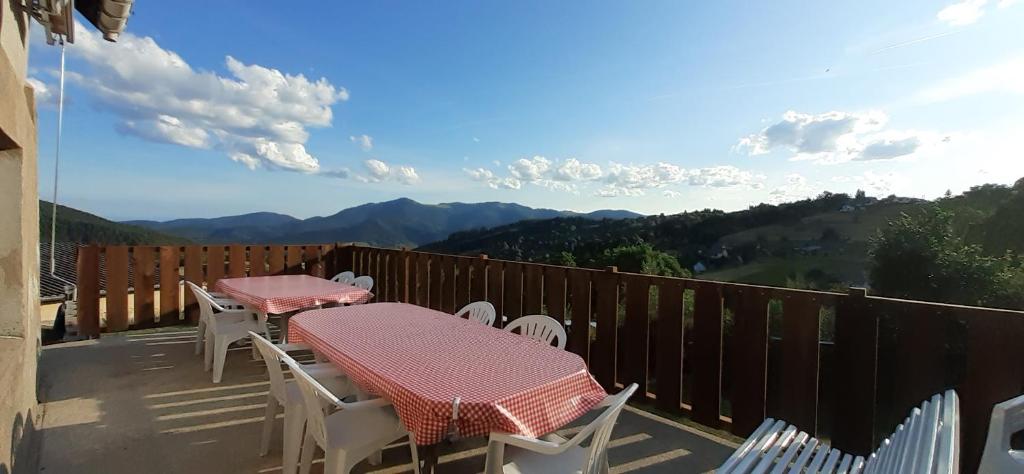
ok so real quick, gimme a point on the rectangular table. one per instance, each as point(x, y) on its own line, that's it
point(283, 294)
point(422, 360)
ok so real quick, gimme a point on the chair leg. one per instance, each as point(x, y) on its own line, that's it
point(220, 354)
point(200, 336)
point(335, 463)
point(308, 449)
point(208, 353)
point(294, 421)
point(495, 459)
point(268, 424)
point(415, 455)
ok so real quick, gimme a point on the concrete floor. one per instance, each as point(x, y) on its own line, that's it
point(140, 401)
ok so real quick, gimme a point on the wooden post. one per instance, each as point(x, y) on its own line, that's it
point(669, 350)
point(170, 274)
point(635, 335)
point(144, 269)
point(750, 360)
point(194, 274)
point(707, 354)
point(117, 287)
point(603, 354)
point(580, 312)
point(856, 358)
point(88, 291)
point(478, 282)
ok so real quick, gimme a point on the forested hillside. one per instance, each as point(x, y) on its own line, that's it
point(84, 228)
point(821, 243)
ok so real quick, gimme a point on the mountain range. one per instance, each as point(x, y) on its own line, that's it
point(391, 223)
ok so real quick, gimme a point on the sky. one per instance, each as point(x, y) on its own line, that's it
point(205, 109)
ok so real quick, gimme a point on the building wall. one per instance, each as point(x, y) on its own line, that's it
point(19, 247)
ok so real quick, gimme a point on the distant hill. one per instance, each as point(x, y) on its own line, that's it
point(392, 223)
point(84, 228)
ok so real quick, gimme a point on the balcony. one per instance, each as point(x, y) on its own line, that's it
point(845, 367)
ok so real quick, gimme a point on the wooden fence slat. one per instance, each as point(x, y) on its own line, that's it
point(580, 313)
point(496, 288)
point(144, 266)
point(116, 260)
point(402, 276)
point(669, 346)
point(512, 300)
point(856, 357)
point(462, 281)
point(236, 261)
point(478, 281)
point(275, 260)
point(214, 265)
point(921, 364)
point(603, 352)
point(554, 293)
point(749, 360)
point(88, 267)
point(293, 254)
point(994, 374)
point(311, 259)
point(533, 284)
point(634, 333)
point(194, 274)
point(257, 260)
point(329, 258)
point(422, 280)
point(707, 354)
point(344, 259)
point(434, 281)
point(448, 284)
point(800, 347)
point(170, 274)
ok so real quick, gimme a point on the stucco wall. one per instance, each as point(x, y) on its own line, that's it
point(19, 247)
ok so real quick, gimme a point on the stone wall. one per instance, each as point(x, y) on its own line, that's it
point(19, 247)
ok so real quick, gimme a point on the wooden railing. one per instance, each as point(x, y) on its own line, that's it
point(845, 367)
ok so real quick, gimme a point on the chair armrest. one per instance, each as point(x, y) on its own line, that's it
point(533, 444)
point(364, 404)
point(295, 346)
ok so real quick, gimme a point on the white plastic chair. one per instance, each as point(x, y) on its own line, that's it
point(539, 327)
point(287, 394)
point(344, 277)
point(928, 441)
point(353, 433)
point(365, 282)
point(999, 456)
point(223, 328)
point(554, 454)
point(221, 299)
point(479, 311)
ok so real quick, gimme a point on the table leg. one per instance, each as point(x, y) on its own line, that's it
point(284, 328)
point(428, 453)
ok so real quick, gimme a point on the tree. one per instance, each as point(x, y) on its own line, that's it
point(642, 258)
point(922, 257)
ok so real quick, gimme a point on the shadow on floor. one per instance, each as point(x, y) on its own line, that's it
point(140, 401)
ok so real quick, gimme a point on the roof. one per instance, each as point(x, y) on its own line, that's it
point(51, 289)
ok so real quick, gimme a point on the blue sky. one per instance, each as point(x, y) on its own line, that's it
point(649, 106)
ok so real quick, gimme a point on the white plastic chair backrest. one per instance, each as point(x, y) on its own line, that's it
point(365, 282)
point(539, 327)
point(316, 399)
point(344, 277)
point(999, 455)
point(206, 305)
point(272, 356)
point(601, 429)
point(479, 311)
point(927, 441)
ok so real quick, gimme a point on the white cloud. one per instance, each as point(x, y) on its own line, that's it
point(962, 13)
point(574, 170)
point(874, 184)
point(795, 188)
point(530, 169)
point(834, 137)
point(256, 115)
point(1008, 3)
point(43, 93)
point(671, 194)
point(364, 141)
point(379, 171)
point(1006, 77)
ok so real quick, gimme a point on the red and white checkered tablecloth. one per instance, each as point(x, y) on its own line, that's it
point(281, 294)
point(421, 360)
